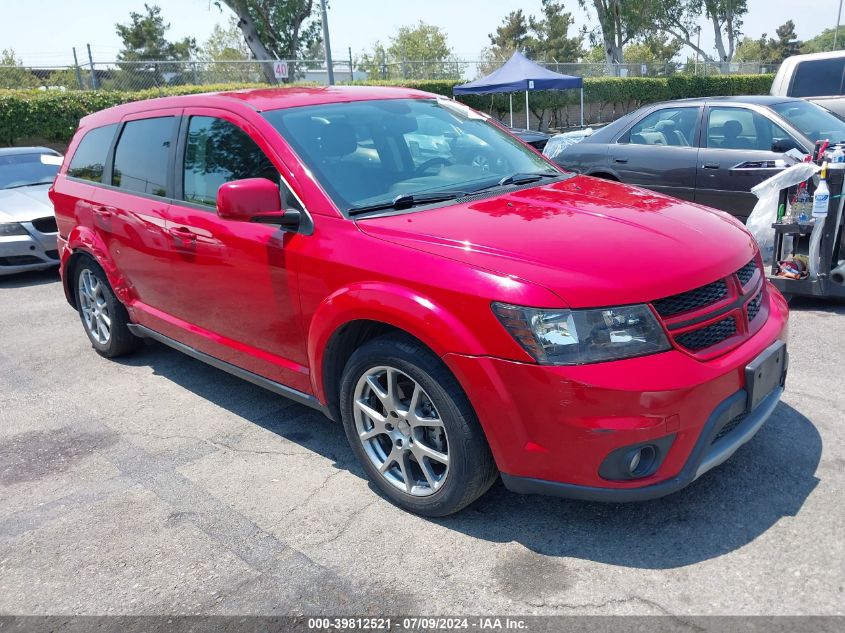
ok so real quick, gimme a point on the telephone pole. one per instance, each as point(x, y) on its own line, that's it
point(327, 45)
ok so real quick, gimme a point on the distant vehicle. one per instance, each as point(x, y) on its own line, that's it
point(534, 138)
point(818, 77)
point(27, 223)
point(711, 151)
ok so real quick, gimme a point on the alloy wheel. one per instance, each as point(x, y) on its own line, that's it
point(94, 307)
point(401, 431)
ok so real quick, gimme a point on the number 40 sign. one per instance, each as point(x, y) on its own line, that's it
point(280, 70)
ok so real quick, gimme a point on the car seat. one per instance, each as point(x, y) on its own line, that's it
point(731, 130)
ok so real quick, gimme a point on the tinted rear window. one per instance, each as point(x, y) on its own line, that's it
point(818, 78)
point(90, 157)
point(142, 154)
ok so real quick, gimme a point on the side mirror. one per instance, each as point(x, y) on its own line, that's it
point(255, 200)
point(783, 145)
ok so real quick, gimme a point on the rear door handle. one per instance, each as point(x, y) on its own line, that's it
point(103, 211)
point(621, 161)
point(710, 165)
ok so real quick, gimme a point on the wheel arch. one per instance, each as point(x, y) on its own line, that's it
point(84, 242)
point(352, 316)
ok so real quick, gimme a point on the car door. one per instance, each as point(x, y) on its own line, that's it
point(660, 151)
point(736, 154)
point(130, 210)
point(237, 286)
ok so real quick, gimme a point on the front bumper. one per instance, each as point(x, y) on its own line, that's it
point(23, 253)
point(551, 428)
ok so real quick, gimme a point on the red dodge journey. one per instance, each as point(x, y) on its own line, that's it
point(403, 264)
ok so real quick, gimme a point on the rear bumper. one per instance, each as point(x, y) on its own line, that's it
point(705, 456)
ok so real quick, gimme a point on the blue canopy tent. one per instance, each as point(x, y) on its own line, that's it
point(520, 73)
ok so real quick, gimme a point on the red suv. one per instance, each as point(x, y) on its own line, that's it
point(403, 264)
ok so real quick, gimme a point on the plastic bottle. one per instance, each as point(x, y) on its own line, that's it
point(821, 198)
point(838, 155)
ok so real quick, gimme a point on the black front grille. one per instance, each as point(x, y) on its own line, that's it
point(19, 260)
point(708, 336)
point(754, 306)
point(692, 299)
point(730, 426)
point(746, 272)
point(45, 225)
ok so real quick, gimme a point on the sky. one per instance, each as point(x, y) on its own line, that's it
point(43, 32)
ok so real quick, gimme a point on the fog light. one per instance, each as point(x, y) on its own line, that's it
point(641, 460)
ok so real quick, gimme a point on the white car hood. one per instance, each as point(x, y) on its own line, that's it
point(25, 203)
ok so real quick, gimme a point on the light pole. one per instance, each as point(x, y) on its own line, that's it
point(326, 43)
point(836, 31)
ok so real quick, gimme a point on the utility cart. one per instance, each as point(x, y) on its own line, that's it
point(832, 247)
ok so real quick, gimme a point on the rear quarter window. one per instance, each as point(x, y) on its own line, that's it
point(89, 159)
point(818, 78)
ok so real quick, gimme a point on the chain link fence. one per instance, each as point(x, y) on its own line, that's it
point(130, 76)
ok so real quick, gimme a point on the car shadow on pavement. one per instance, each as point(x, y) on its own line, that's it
point(813, 304)
point(767, 479)
point(35, 278)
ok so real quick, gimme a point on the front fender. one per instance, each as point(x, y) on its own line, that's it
point(394, 305)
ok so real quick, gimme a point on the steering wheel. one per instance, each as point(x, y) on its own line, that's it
point(431, 162)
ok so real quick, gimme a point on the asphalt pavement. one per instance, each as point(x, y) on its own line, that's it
point(159, 485)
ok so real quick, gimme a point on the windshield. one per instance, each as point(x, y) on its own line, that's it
point(366, 153)
point(812, 120)
point(25, 170)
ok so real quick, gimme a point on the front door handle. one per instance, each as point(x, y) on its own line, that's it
point(621, 161)
point(710, 165)
point(103, 211)
point(182, 233)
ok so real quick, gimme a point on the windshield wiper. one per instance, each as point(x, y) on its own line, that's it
point(521, 178)
point(406, 201)
point(29, 184)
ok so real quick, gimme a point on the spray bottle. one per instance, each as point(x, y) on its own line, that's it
point(821, 198)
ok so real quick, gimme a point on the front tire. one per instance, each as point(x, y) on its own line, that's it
point(413, 429)
point(103, 317)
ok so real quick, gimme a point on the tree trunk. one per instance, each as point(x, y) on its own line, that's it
point(720, 42)
point(250, 32)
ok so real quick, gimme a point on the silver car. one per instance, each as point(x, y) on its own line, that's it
point(27, 223)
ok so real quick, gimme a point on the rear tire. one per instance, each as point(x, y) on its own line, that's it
point(413, 429)
point(103, 317)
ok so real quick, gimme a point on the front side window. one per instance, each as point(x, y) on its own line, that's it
point(89, 159)
point(218, 152)
point(740, 128)
point(142, 155)
point(668, 127)
point(27, 170)
point(371, 152)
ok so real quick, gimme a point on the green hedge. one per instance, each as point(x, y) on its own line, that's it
point(53, 115)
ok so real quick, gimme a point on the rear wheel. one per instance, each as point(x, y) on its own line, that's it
point(103, 317)
point(413, 429)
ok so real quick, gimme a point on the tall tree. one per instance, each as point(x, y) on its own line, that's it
point(681, 18)
point(512, 35)
point(619, 23)
point(278, 29)
point(787, 43)
point(226, 48)
point(145, 40)
point(550, 32)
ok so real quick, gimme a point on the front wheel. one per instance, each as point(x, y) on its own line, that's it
point(413, 429)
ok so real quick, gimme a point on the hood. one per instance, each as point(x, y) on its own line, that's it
point(25, 203)
point(592, 242)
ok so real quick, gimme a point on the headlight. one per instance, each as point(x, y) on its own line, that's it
point(575, 337)
point(11, 228)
